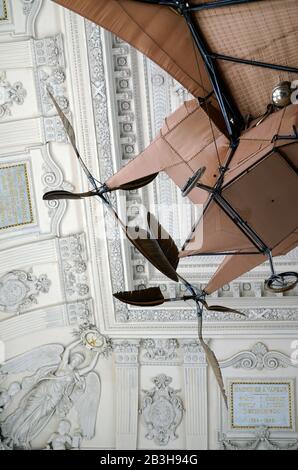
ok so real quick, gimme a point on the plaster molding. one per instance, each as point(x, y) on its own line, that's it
point(73, 266)
point(31, 9)
point(253, 315)
point(193, 353)
point(49, 51)
point(127, 392)
point(196, 394)
point(26, 12)
point(259, 357)
point(262, 437)
point(126, 352)
point(53, 179)
point(52, 316)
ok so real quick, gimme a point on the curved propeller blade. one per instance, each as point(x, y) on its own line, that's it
point(72, 138)
point(152, 250)
point(142, 298)
point(212, 361)
point(165, 241)
point(60, 194)
point(139, 183)
point(221, 308)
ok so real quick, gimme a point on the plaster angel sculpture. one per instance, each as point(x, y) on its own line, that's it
point(63, 439)
point(6, 396)
point(58, 384)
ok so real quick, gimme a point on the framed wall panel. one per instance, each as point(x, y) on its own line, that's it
point(261, 402)
point(16, 205)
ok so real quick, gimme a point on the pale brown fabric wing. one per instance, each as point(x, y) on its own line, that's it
point(264, 31)
point(234, 266)
point(156, 31)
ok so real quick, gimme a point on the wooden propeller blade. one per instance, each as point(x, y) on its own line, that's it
point(165, 241)
point(72, 138)
point(59, 194)
point(142, 298)
point(221, 308)
point(152, 250)
point(139, 183)
point(212, 361)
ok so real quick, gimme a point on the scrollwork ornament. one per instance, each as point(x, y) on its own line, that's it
point(55, 83)
point(159, 350)
point(162, 410)
point(27, 6)
point(259, 357)
point(262, 436)
point(10, 94)
point(20, 289)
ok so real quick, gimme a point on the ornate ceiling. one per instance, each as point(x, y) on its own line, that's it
point(60, 262)
point(117, 100)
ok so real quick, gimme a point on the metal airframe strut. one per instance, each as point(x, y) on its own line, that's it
point(254, 63)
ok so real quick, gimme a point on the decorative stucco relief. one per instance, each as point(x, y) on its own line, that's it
point(55, 83)
point(53, 179)
point(262, 437)
point(162, 410)
point(63, 378)
point(49, 51)
point(259, 357)
point(19, 290)
point(73, 260)
point(64, 438)
point(27, 6)
point(10, 95)
point(159, 350)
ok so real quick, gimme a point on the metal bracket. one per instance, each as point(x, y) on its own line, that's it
point(286, 137)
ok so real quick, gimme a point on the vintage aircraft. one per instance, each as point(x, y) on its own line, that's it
point(234, 148)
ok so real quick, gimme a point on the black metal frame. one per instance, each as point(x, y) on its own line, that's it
point(232, 116)
point(286, 137)
point(218, 4)
point(227, 253)
point(201, 6)
point(254, 63)
point(230, 112)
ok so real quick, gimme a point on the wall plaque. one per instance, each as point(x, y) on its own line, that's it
point(255, 403)
point(15, 199)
